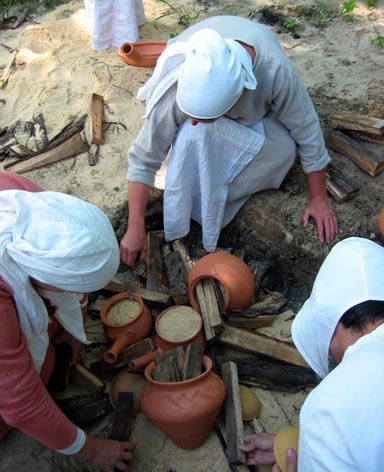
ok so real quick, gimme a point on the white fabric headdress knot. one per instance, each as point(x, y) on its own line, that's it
point(59, 240)
point(211, 73)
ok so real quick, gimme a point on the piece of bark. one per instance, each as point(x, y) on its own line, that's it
point(96, 119)
point(121, 427)
point(180, 247)
point(209, 333)
point(367, 160)
point(258, 343)
point(252, 322)
point(176, 273)
point(233, 413)
point(259, 270)
point(257, 372)
point(357, 122)
point(154, 261)
point(70, 148)
point(338, 186)
point(193, 363)
point(86, 378)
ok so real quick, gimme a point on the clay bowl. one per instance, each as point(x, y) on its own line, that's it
point(128, 382)
point(286, 438)
point(234, 275)
point(187, 319)
point(141, 54)
point(250, 404)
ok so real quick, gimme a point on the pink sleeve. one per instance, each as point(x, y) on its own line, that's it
point(24, 401)
point(11, 181)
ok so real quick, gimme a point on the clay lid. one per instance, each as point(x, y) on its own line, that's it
point(286, 438)
point(141, 54)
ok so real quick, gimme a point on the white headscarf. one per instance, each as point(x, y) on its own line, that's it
point(211, 73)
point(59, 240)
point(352, 273)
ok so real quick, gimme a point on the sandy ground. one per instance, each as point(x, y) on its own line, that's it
point(56, 72)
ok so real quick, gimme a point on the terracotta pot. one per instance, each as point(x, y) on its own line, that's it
point(167, 344)
point(184, 411)
point(123, 335)
point(381, 222)
point(141, 54)
point(234, 275)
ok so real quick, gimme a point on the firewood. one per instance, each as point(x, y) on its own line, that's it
point(252, 322)
point(180, 247)
point(96, 119)
point(176, 273)
point(209, 332)
point(210, 294)
point(222, 437)
point(92, 408)
point(367, 160)
point(259, 270)
point(121, 427)
point(155, 261)
point(258, 343)
point(193, 363)
point(271, 303)
point(370, 138)
point(69, 148)
point(233, 413)
point(338, 186)
point(87, 379)
point(154, 299)
point(116, 285)
point(40, 132)
point(166, 370)
point(357, 122)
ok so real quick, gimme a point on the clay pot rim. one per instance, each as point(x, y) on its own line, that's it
point(116, 299)
point(208, 364)
point(184, 341)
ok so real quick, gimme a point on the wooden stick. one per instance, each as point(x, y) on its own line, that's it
point(96, 119)
point(201, 301)
point(123, 412)
point(354, 121)
point(87, 379)
point(154, 261)
point(339, 188)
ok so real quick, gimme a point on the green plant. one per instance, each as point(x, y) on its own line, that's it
point(323, 11)
point(185, 18)
point(347, 8)
point(378, 41)
point(289, 24)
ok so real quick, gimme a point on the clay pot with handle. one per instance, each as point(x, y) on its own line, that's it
point(184, 411)
point(141, 54)
point(129, 333)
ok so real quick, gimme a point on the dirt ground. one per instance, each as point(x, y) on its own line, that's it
point(340, 60)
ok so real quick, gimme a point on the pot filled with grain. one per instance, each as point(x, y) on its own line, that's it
point(126, 320)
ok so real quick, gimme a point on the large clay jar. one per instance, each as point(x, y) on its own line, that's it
point(191, 330)
point(141, 54)
point(184, 411)
point(234, 275)
point(125, 334)
point(381, 222)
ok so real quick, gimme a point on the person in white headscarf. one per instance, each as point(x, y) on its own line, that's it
point(229, 76)
point(53, 248)
point(340, 333)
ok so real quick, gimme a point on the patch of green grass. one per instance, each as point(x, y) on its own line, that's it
point(378, 41)
point(346, 10)
point(184, 17)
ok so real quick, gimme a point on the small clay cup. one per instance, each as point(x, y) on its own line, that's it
point(233, 274)
point(125, 334)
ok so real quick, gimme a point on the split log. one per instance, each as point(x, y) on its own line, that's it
point(370, 138)
point(258, 343)
point(367, 160)
point(70, 148)
point(193, 363)
point(259, 270)
point(222, 437)
point(357, 122)
point(155, 261)
point(209, 332)
point(121, 427)
point(116, 285)
point(251, 322)
point(87, 379)
point(270, 304)
point(96, 119)
point(233, 413)
point(176, 273)
point(85, 409)
point(338, 186)
point(262, 373)
point(180, 247)
point(154, 299)
point(211, 290)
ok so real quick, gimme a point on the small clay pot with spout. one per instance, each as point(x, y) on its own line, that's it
point(124, 334)
point(141, 54)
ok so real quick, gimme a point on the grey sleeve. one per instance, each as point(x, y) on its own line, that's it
point(150, 148)
point(294, 107)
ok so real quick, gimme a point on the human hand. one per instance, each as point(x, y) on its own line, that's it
point(106, 454)
point(78, 349)
point(259, 448)
point(134, 246)
point(290, 460)
point(321, 210)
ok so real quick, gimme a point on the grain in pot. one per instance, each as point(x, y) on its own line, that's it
point(179, 323)
point(123, 312)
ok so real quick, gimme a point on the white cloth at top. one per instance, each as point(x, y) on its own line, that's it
point(198, 175)
point(213, 73)
point(114, 22)
point(59, 240)
point(353, 272)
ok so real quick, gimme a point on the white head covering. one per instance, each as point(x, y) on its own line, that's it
point(352, 273)
point(211, 73)
point(59, 240)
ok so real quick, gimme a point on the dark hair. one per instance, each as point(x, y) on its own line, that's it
point(359, 315)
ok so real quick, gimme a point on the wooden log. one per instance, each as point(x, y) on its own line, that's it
point(338, 186)
point(69, 148)
point(365, 159)
point(212, 303)
point(209, 333)
point(259, 270)
point(193, 363)
point(116, 285)
point(370, 138)
point(257, 372)
point(219, 429)
point(96, 119)
point(357, 122)
point(233, 414)
point(154, 261)
point(258, 343)
point(121, 426)
point(180, 247)
point(166, 370)
point(253, 322)
point(87, 379)
point(154, 299)
point(176, 273)
point(90, 411)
